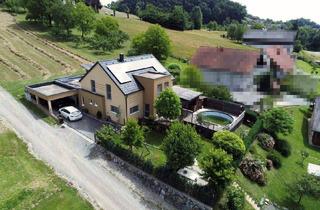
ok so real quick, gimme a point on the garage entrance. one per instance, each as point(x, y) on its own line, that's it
point(51, 96)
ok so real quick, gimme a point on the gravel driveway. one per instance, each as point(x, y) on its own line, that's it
point(79, 161)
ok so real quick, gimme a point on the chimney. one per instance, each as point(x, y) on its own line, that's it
point(121, 57)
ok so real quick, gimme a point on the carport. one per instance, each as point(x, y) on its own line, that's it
point(44, 95)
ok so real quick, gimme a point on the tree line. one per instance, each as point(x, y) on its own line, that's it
point(184, 14)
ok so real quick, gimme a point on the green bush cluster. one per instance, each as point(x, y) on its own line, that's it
point(111, 141)
point(275, 158)
point(255, 129)
point(235, 198)
point(283, 147)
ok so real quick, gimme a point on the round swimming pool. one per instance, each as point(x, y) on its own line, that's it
point(216, 117)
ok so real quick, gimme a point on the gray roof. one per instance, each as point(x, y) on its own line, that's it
point(71, 82)
point(316, 116)
point(185, 93)
point(132, 85)
point(271, 36)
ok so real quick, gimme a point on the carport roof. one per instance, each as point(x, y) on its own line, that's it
point(51, 89)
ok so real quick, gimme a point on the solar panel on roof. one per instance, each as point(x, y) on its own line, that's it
point(120, 70)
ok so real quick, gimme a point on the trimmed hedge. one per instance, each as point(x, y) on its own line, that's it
point(254, 131)
point(275, 158)
point(283, 147)
point(164, 173)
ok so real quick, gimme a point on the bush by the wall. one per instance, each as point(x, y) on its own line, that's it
point(255, 129)
point(235, 198)
point(250, 117)
point(165, 174)
point(283, 147)
point(275, 158)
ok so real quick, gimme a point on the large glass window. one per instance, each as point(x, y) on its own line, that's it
point(159, 89)
point(108, 92)
point(134, 109)
point(93, 86)
point(115, 109)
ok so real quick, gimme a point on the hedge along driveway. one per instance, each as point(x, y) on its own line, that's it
point(276, 188)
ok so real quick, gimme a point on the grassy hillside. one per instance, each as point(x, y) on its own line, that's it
point(184, 43)
point(27, 183)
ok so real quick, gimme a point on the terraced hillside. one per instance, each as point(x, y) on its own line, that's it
point(24, 56)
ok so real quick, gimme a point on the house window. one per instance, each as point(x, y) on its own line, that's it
point(108, 92)
point(115, 109)
point(146, 110)
point(93, 86)
point(159, 89)
point(166, 85)
point(134, 109)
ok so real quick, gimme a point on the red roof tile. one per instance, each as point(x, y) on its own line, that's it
point(226, 59)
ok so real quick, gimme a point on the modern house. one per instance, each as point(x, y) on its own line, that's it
point(114, 89)
point(244, 70)
point(269, 39)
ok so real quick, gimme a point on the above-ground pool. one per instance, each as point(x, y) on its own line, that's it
point(215, 117)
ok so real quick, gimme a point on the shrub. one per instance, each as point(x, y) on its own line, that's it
point(230, 142)
point(235, 198)
point(253, 169)
point(255, 129)
point(283, 147)
point(172, 66)
point(277, 120)
point(266, 141)
point(275, 158)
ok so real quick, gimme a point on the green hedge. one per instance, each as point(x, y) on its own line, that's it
point(165, 174)
point(254, 131)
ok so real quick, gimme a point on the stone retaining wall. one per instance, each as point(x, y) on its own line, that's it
point(171, 195)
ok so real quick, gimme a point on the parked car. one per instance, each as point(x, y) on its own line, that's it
point(71, 113)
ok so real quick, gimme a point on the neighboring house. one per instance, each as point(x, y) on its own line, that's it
point(115, 89)
point(244, 70)
point(266, 39)
point(314, 125)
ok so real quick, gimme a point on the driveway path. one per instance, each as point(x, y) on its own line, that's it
point(79, 161)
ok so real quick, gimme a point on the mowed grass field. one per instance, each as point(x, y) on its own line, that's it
point(184, 43)
point(278, 180)
point(23, 56)
point(27, 183)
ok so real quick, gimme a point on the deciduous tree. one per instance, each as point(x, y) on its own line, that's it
point(181, 145)
point(217, 167)
point(84, 18)
point(154, 41)
point(307, 185)
point(133, 134)
point(277, 120)
point(168, 104)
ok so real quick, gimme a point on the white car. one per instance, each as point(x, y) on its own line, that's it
point(71, 113)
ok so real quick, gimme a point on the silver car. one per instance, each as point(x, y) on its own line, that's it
point(71, 113)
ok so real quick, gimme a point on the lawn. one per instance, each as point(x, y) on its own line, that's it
point(306, 67)
point(277, 180)
point(184, 43)
point(27, 183)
